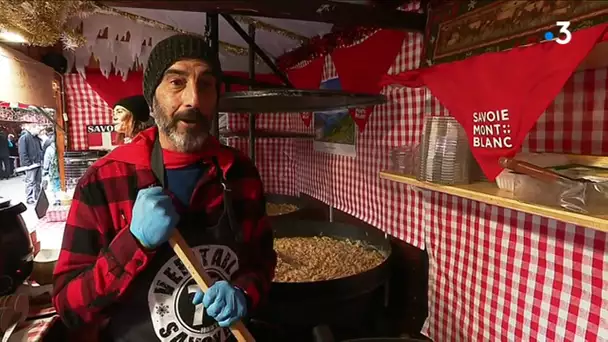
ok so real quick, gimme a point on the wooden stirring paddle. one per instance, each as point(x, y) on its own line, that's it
point(196, 269)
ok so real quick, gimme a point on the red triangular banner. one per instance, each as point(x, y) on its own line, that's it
point(498, 97)
point(360, 67)
point(307, 77)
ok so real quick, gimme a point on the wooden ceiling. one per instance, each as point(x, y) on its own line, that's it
point(376, 13)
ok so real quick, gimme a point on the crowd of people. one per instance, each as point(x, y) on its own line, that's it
point(35, 153)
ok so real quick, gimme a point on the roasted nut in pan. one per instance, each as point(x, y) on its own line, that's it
point(306, 259)
point(275, 209)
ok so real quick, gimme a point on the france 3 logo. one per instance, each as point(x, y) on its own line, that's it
point(564, 37)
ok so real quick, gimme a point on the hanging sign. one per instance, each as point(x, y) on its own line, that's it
point(306, 118)
point(498, 97)
point(101, 137)
point(307, 77)
point(360, 67)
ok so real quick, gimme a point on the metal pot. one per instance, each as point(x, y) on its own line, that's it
point(286, 199)
point(16, 249)
point(341, 301)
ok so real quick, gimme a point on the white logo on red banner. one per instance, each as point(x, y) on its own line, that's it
point(101, 137)
point(492, 129)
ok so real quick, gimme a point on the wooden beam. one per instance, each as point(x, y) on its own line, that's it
point(343, 14)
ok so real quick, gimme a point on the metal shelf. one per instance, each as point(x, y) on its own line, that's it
point(295, 101)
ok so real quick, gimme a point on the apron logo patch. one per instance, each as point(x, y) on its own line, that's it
point(170, 296)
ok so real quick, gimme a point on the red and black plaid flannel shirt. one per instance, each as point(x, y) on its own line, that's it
point(100, 257)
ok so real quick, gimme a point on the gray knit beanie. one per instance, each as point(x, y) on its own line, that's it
point(172, 49)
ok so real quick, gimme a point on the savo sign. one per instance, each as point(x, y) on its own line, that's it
point(101, 137)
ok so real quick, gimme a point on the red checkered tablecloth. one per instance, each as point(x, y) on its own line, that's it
point(277, 173)
point(57, 213)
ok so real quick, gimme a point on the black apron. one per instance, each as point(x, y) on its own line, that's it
point(158, 304)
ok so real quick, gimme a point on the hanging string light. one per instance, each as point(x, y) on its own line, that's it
point(320, 46)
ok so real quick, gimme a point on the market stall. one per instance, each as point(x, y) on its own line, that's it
point(500, 266)
point(81, 134)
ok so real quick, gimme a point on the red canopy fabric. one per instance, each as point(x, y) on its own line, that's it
point(498, 97)
point(360, 67)
point(307, 77)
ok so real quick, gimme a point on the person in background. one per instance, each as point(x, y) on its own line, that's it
point(30, 155)
point(50, 138)
point(13, 152)
point(50, 167)
point(131, 115)
point(116, 267)
point(5, 161)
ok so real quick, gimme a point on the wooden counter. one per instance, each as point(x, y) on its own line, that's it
point(490, 193)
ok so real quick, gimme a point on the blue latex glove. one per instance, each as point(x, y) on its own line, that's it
point(223, 302)
point(154, 217)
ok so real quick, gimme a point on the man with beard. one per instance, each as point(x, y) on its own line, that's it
point(116, 266)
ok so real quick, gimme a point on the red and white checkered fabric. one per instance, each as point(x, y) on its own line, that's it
point(575, 122)
point(84, 107)
point(57, 213)
point(276, 162)
point(501, 275)
point(263, 121)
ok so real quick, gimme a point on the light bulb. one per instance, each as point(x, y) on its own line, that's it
point(12, 37)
